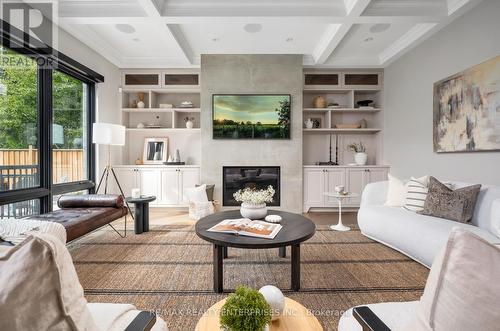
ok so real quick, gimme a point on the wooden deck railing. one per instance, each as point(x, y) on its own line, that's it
point(19, 167)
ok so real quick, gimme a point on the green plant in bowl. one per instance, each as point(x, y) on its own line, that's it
point(245, 310)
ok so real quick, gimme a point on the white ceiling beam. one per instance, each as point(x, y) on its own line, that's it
point(181, 40)
point(334, 33)
point(154, 16)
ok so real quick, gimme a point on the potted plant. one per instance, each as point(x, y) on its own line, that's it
point(360, 157)
point(189, 122)
point(253, 202)
point(245, 310)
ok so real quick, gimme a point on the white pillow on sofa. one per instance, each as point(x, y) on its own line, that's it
point(462, 291)
point(398, 188)
point(40, 288)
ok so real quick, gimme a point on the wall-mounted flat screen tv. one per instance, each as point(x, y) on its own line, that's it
point(251, 116)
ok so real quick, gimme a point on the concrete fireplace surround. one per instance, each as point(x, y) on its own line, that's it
point(253, 74)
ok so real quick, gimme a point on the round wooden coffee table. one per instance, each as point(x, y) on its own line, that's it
point(295, 317)
point(296, 229)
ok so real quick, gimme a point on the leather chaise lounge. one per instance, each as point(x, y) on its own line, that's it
point(82, 214)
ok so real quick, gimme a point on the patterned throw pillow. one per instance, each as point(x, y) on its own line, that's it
point(416, 195)
point(456, 205)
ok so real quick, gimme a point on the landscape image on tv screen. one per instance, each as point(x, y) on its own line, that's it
point(251, 116)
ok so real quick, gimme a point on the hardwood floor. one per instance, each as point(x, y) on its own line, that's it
point(161, 216)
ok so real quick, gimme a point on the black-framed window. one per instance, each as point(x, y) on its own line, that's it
point(46, 116)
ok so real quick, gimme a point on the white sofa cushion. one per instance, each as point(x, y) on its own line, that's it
point(418, 236)
point(462, 291)
point(416, 195)
point(495, 217)
point(396, 315)
point(40, 287)
point(396, 192)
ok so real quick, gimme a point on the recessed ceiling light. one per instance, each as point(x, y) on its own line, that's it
point(215, 40)
point(380, 27)
point(252, 28)
point(368, 39)
point(289, 39)
point(125, 28)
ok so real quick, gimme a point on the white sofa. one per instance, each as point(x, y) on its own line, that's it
point(418, 236)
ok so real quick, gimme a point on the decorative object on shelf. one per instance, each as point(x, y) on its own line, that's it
point(174, 163)
point(330, 162)
point(189, 122)
point(186, 104)
point(244, 310)
point(155, 150)
point(141, 103)
point(347, 126)
point(138, 161)
point(465, 105)
point(363, 123)
point(135, 193)
point(133, 104)
point(253, 202)
point(360, 157)
point(274, 298)
point(170, 159)
point(316, 122)
point(165, 105)
point(177, 157)
point(333, 105)
point(309, 123)
point(153, 126)
point(273, 218)
point(140, 125)
point(364, 103)
point(319, 102)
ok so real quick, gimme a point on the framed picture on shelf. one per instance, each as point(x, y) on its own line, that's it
point(155, 150)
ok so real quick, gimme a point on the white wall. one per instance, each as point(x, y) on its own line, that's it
point(107, 92)
point(408, 85)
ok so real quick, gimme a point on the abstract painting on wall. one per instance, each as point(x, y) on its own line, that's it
point(467, 110)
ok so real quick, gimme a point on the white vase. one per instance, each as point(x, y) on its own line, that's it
point(140, 104)
point(189, 124)
point(360, 158)
point(275, 299)
point(253, 211)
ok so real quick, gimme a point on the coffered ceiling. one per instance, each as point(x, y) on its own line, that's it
point(329, 33)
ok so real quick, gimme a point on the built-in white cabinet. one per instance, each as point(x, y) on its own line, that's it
point(318, 180)
point(167, 183)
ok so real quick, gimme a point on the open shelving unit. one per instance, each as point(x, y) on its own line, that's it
point(345, 88)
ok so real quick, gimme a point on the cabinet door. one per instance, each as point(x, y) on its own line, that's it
point(356, 180)
point(314, 188)
point(170, 187)
point(368, 80)
point(149, 180)
point(334, 177)
point(377, 175)
point(189, 178)
point(127, 178)
point(141, 80)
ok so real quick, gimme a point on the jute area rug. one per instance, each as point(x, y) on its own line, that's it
point(169, 270)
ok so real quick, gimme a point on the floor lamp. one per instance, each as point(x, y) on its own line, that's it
point(110, 135)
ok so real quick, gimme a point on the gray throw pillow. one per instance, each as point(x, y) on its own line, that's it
point(210, 191)
point(456, 205)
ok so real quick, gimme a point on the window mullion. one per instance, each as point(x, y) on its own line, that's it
point(45, 135)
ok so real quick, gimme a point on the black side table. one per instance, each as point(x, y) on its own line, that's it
point(141, 213)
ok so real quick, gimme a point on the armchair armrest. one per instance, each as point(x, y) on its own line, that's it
point(144, 321)
point(368, 320)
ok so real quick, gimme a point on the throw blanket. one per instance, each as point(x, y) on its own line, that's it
point(16, 230)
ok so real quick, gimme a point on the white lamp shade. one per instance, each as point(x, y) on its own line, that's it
point(108, 134)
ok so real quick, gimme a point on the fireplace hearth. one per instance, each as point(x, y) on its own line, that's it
point(236, 178)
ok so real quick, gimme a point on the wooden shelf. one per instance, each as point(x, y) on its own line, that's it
point(161, 110)
point(370, 130)
point(342, 110)
point(340, 90)
point(163, 130)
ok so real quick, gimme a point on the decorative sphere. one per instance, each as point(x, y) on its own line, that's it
point(275, 299)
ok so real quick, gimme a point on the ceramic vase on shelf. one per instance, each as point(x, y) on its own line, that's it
point(141, 103)
point(253, 211)
point(189, 124)
point(309, 123)
point(360, 158)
